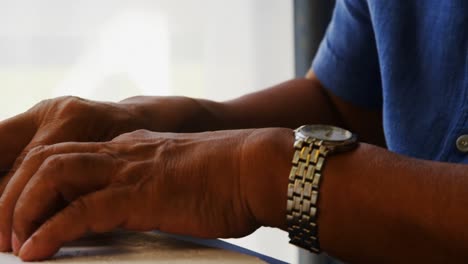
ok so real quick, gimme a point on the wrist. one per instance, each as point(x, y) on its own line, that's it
point(150, 112)
point(173, 113)
point(266, 163)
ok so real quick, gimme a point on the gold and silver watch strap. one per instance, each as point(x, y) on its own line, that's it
point(303, 191)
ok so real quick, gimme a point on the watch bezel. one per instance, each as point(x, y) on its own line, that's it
point(333, 145)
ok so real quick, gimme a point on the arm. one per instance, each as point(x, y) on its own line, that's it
point(397, 208)
point(289, 104)
point(71, 119)
point(374, 206)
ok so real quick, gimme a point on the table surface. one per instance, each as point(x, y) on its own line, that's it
point(124, 247)
point(215, 243)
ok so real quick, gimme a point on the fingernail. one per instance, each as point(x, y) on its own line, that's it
point(25, 251)
point(15, 244)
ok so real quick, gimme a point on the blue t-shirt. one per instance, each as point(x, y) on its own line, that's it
point(408, 58)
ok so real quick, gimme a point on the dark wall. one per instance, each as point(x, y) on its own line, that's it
point(311, 18)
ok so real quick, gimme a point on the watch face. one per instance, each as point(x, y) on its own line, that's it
point(326, 133)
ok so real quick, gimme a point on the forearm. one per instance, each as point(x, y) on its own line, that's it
point(288, 104)
point(374, 206)
point(377, 206)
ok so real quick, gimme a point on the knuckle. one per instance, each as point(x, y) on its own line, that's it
point(54, 162)
point(57, 164)
point(120, 137)
point(19, 218)
point(3, 208)
point(22, 223)
point(36, 153)
point(140, 133)
point(79, 160)
point(42, 104)
point(83, 207)
point(60, 108)
point(79, 206)
point(69, 105)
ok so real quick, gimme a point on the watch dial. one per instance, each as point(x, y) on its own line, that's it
point(327, 133)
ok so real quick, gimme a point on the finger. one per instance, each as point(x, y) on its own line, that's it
point(38, 149)
point(61, 179)
point(22, 175)
point(17, 163)
point(5, 180)
point(15, 137)
point(99, 212)
point(15, 134)
point(7, 200)
point(39, 139)
point(10, 191)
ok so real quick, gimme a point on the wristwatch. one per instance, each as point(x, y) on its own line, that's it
point(313, 144)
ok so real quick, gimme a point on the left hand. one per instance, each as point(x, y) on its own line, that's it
point(191, 184)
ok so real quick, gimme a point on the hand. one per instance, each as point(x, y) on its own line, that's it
point(53, 121)
point(191, 184)
point(72, 119)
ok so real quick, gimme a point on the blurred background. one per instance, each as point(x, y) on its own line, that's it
point(113, 49)
point(110, 50)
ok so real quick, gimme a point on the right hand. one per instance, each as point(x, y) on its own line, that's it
point(64, 119)
point(197, 184)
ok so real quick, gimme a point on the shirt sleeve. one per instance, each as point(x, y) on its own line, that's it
point(347, 61)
